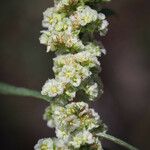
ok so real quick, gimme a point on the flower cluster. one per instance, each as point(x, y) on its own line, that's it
point(74, 123)
point(50, 144)
point(76, 68)
point(70, 70)
point(57, 144)
point(76, 115)
point(63, 31)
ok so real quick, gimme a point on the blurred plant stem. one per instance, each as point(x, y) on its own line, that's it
point(116, 140)
point(7, 89)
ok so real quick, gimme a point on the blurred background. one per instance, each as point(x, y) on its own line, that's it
point(125, 105)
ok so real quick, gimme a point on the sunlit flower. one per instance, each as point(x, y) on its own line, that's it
point(52, 88)
point(44, 144)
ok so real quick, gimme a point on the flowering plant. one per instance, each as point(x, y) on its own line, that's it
point(76, 69)
point(69, 29)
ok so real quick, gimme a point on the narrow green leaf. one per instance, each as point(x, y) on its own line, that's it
point(116, 140)
point(7, 89)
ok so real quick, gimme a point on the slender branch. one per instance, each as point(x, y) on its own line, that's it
point(7, 89)
point(116, 140)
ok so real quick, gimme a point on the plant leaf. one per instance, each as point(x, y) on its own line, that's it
point(116, 140)
point(7, 89)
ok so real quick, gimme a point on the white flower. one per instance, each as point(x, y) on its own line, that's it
point(81, 138)
point(59, 26)
point(103, 28)
point(62, 135)
point(76, 80)
point(94, 114)
point(72, 122)
point(48, 15)
point(92, 91)
point(52, 88)
point(67, 72)
point(84, 73)
point(86, 58)
point(104, 25)
point(51, 144)
point(62, 4)
point(64, 60)
point(94, 49)
point(72, 73)
point(44, 37)
point(101, 16)
point(51, 123)
point(60, 145)
point(44, 144)
point(84, 15)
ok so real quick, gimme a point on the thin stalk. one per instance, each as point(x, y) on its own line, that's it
point(116, 140)
point(7, 89)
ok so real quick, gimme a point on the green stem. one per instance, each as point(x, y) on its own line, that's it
point(116, 140)
point(7, 89)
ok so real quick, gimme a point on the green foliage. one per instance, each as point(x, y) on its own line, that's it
point(7, 89)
